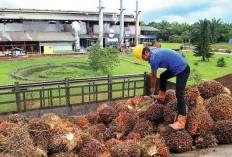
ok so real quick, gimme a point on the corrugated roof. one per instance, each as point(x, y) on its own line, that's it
point(36, 36)
point(59, 15)
point(148, 28)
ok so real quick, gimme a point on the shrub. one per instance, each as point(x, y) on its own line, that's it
point(174, 39)
point(103, 59)
point(221, 62)
point(196, 63)
point(228, 51)
point(195, 76)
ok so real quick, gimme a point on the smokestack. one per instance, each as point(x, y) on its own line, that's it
point(137, 23)
point(121, 40)
point(100, 38)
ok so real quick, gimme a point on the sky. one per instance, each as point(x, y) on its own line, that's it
point(181, 11)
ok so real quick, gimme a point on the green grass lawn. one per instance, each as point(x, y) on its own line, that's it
point(222, 46)
point(208, 70)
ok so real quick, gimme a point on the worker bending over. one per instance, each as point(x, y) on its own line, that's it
point(177, 66)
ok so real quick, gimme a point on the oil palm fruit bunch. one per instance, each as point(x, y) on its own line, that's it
point(199, 121)
point(220, 107)
point(154, 113)
point(192, 97)
point(209, 89)
point(223, 131)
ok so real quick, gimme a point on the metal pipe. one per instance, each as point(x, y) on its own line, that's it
point(100, 38)
point(121, 40)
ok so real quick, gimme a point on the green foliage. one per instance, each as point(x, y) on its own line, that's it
point(174, 39)
point(196, 63)
point(195, 76)
point(203, 45)
point(216, 50)
point(228, 51)
point(103, 59)
point(221, 62)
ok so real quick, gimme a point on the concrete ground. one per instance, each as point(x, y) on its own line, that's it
point(219, 151)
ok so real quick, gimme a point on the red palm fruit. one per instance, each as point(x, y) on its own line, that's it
point(154, 113)
point(143, 127)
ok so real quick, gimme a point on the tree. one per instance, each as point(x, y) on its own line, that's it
point(203, 41)
point(103, 59)
point(215, 26)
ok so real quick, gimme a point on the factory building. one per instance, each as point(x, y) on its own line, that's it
point(55, 31)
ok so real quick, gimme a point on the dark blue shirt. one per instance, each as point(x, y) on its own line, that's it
point(169, 59)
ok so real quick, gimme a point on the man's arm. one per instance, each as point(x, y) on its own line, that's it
point(153, 81)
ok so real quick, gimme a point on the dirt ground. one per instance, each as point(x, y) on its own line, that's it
point(226, 81)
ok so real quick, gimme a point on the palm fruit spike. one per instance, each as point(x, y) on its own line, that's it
point(223, 131)
point(199, 121)
point(18, 143)
point(220, 107)
point(171, 95)
point(206, 141)
point(143, 127)
point(192, 97)
point(40, 132)
point(154, 113)
point(94, 148)
point(209, 89)
point(127, 148)
point(154, 145)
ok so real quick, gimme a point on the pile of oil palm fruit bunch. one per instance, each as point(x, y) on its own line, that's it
point(135, 127)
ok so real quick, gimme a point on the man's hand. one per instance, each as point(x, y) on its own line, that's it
point(152, 90)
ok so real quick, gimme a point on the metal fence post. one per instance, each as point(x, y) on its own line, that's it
point(18, 97)
point(67, 91)
point(147, 84)
point(110, 87)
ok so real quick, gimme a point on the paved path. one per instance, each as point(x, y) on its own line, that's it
point(219, 151)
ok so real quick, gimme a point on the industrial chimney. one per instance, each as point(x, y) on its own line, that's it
point(137, 23)
point(100, 37)
point(121, 40)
